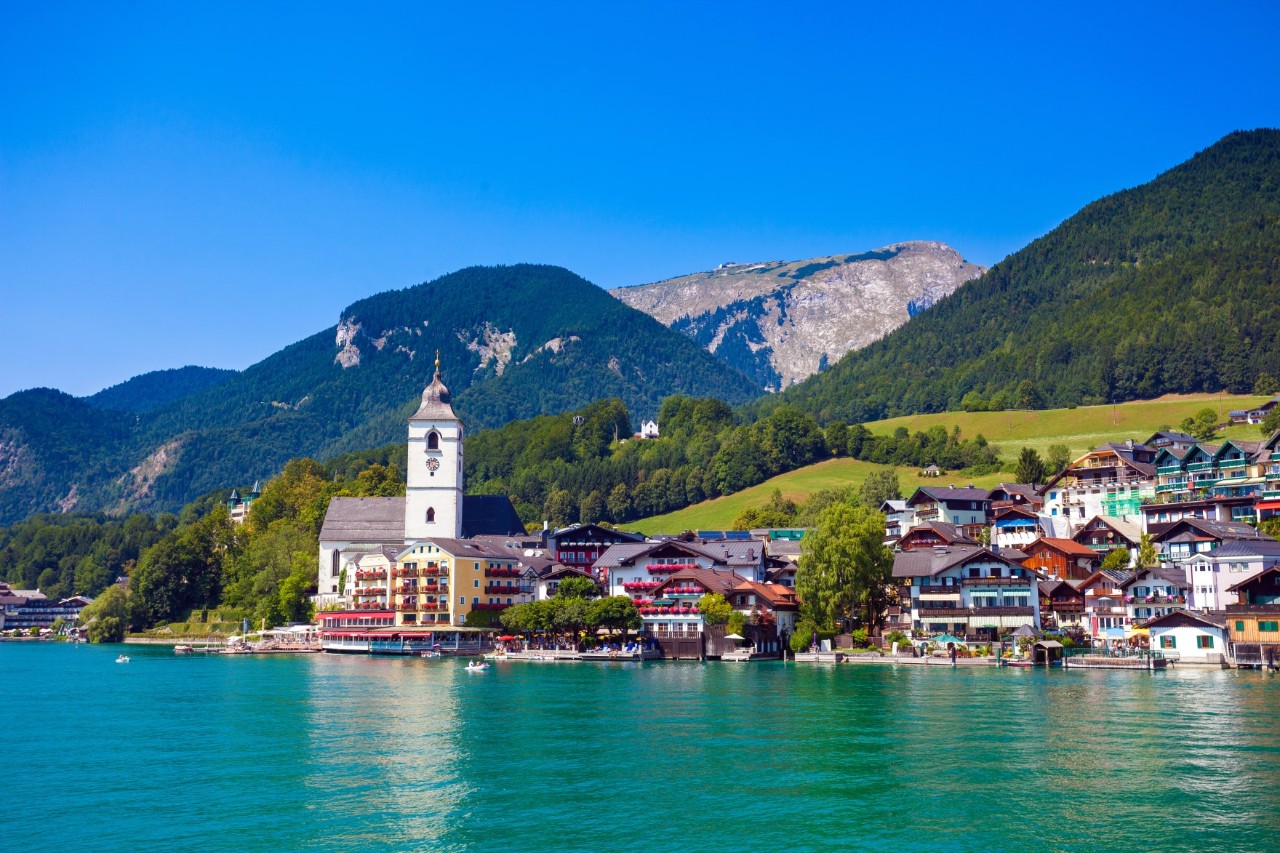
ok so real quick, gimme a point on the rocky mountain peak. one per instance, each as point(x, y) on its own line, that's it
point(782, 321)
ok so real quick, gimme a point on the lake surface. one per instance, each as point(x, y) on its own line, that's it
point(337, 753)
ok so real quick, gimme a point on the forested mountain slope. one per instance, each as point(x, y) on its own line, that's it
point(150, 391)
point(514, 342)
point(1170, 287)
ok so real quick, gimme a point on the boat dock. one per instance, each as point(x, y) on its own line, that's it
point(1144, 663)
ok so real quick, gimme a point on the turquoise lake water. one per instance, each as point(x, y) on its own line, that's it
point(335, 753)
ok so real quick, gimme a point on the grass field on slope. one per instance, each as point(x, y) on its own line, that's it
point(1080, 429)
point(796, 485)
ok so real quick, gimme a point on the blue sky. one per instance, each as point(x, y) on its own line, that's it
point(191, 183)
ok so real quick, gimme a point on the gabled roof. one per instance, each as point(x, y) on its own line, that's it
point(1049, 587)
point(949, 493)
point(1123, 454)
point(1178, 576)
point(1125, 529)
point(1165, 435)
point(575, 529)
point(723, 581)
point(558, 572)
point(1070, 547)
point(728, 552)
point(947, 532)
point(893, 506)
point(1248, 448)
point(363, 520)
point(1210, 529)
point(1211, 618)
point(1113, 577)
point(1175, 453)
point(776, 596)
point(1027, 491)
point(459, 548)
point(928, 562)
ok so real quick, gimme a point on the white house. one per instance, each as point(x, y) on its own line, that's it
point(1190, 636)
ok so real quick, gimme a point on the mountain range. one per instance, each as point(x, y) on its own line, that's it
point(513, 342)
point(780, 322)
point(1172, 286)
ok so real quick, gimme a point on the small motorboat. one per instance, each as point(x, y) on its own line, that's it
point(477, 666)
point(122, 659)
point(183, 650)
point(432, 655)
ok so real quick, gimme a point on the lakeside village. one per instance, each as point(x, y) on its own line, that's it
point(1009, 575)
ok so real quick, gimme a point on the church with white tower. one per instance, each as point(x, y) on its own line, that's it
point(434, 506)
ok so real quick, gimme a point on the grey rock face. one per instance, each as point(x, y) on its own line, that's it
point(782, 321)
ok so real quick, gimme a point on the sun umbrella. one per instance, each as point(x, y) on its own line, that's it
point(734, 637)
point(506, 638)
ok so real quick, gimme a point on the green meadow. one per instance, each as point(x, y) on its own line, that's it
point(1080, 429)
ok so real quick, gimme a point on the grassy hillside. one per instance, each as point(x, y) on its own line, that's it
point(718, 514)
point(1080, 429)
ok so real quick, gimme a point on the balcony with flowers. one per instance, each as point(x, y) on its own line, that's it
point(366, 591)
point(663, 607)
point(641, 586)
point(432, 606)
point(686, 589)
point(502, 589)
point(667, 568)
point(371, 574)
point(497, 572)
point(370, 605)
point(490, 605)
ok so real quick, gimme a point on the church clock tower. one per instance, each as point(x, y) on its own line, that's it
point(433, 492)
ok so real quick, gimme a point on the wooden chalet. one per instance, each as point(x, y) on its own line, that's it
point(1061, 605)
point(1254, 623)
point(1062, 558)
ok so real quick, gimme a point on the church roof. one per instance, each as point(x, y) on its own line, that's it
point(435, 400)
point(364, 520)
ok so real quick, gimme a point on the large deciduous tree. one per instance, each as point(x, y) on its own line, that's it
point(844, 566)
point(881, 485)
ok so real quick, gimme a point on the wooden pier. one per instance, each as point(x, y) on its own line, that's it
point(1145, 663)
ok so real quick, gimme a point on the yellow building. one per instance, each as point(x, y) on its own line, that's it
point(440, 581)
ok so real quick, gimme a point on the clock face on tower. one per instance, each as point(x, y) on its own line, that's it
point(432, 463)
